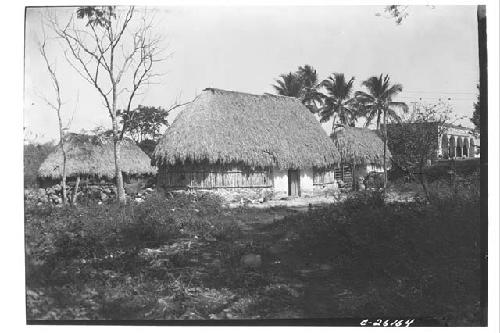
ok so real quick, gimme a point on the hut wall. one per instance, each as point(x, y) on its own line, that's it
point(363, 170)
point(375, 168)
point(322, 178)
point(330, 178)
point(205, 176)
point(280, 181)
point(306, 181)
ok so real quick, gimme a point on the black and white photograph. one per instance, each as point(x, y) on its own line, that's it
point(267, 165)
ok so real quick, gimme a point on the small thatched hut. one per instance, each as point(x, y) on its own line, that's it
point(362, 149)
point(91, 157)
point(234, 140)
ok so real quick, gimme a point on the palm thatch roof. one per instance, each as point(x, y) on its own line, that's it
point(257, 130)
point(360, 146)
point(92, 155)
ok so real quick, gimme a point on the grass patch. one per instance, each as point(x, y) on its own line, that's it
point(415, 259)
point(179, 258)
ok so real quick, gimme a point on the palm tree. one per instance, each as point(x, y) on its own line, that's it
point(310, 95)
point(302, 84)
point(289, 85)
point(338, 102)
point(379, 102)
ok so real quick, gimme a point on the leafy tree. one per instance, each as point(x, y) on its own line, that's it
point(414, 141)
point(115, 51)
point(378, 101)
point(338, 101)
point(148, 146)
point(476, 115)
point(34, 155)
point(302, 84)
point(143, 122)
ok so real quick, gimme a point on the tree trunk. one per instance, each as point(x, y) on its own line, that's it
point(354, 178)
point(423, 181)
point(63, 148)
point(120, 192)
point(75, 194)
point(483, 104)
point(63, 182)
point(385, 151)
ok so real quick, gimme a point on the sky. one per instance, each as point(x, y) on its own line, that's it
point(433, 54)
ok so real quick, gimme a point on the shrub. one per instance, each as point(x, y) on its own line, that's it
point(374, 180)
point(90, 231)
point(430, 251)
point(34, 155)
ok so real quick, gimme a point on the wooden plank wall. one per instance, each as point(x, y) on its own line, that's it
point(326, 177)
point(211, 178)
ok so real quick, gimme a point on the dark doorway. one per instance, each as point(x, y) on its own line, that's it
point(294, 183)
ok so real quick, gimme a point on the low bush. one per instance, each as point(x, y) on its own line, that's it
point(427, 252)
point(57, 236)
point(34, 155)
point(374, 180)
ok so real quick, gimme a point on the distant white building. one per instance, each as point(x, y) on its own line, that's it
point(458, 142)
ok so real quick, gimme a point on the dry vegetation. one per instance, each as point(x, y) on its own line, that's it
point(180, 258)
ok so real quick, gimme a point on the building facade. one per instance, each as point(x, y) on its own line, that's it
point(458, 142)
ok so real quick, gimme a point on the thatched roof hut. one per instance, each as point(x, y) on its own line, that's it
point(92, 155)
point(360, 146)
point(230, 127)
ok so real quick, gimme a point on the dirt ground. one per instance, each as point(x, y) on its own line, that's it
point(282, 286)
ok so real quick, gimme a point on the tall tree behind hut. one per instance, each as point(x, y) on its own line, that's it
point(144, 124)
point(338, 102)
point(414, 140)
point(115, 51)
point(378, 103)
point(302, 84)
point(56, 106)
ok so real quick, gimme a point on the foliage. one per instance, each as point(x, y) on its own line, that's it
point(99, 230)
point(414, 141)
point(144, 122)
point(148, 146)
point(374, 180)
point(399, 13)
point(476, 115)
point(289, 85)
point(97, 15)
point(377, 102)
point(302, 84)
point(399, 259)
point(34, 155)
point(379, 99)
point(338, 102)
point(421, 259)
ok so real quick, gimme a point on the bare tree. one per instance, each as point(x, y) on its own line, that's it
point(56, 106)
point(113, 50)
point(414, 140)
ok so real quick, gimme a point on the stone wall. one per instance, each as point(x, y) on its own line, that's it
point(86, 192)
point(239, 195)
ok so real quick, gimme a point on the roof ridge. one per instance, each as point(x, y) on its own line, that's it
point(223, 91)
